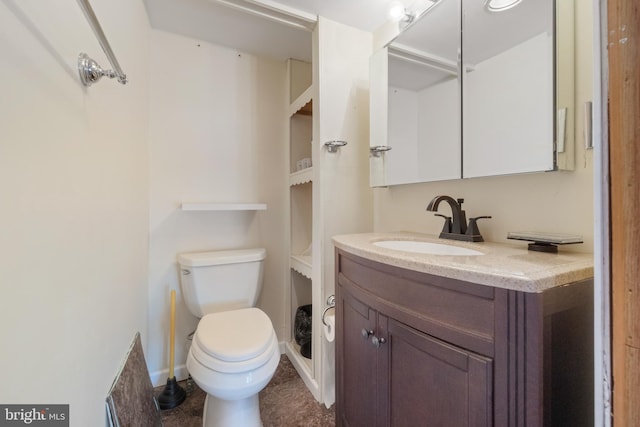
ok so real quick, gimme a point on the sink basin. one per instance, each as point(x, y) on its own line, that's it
point(426, 248)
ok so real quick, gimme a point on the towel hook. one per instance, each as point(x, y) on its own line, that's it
point(332, 146)
point(378, 150)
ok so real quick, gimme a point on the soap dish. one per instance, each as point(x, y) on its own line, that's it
point(544, 242)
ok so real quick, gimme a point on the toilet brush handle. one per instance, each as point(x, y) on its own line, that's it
point(172, 334)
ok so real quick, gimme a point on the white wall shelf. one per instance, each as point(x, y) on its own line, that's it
point(301, 177)
point(223, 206)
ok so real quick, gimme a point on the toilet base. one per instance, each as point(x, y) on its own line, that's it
point(231, 413)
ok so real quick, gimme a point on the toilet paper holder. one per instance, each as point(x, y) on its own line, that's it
point(331, 303)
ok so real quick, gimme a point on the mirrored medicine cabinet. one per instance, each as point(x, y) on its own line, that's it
point(465, 92)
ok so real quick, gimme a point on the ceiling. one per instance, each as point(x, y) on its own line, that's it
point(367, 15)
point(278, 30)
point(282, 29)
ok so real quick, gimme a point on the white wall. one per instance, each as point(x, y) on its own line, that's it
point(217, 135)
point(554, 201)
point(74, 203)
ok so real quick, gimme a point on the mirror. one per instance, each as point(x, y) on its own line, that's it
point(420, 100)
point(508, 98)
point(510, 111)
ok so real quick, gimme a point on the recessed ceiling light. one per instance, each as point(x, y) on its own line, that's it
point(500, 5)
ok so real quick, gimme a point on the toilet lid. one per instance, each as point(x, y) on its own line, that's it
point(235, 336)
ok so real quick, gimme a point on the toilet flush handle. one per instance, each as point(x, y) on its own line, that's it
point(186, 272)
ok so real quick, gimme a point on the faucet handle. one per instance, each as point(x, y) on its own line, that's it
point(447, 223)
point(472, 228)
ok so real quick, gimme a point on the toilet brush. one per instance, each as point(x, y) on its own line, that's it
point(172, 395)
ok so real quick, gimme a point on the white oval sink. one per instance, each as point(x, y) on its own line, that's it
point(426, 247)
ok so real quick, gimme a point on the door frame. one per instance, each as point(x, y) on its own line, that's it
point(618, 183)
point(602, 291)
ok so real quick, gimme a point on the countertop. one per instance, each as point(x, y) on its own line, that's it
point(501, 265)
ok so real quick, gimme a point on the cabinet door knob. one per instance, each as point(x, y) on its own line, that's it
point(366, 333)
point(377, 342)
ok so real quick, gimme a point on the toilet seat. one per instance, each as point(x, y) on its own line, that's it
point(234, 341)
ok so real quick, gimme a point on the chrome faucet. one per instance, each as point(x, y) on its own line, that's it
point(455, 227)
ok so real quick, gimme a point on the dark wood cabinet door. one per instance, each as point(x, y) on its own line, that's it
point(459, 354)
point(431, 383)
point(358, 364)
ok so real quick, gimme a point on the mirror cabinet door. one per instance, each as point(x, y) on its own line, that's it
point(466, 92)
point(508, 88)
point(422, 123)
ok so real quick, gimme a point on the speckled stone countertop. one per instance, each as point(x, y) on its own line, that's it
point(501, 265)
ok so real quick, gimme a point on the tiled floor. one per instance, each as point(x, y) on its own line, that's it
point(285, 402)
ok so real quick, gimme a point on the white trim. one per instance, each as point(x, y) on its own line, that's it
point(602, 287)
point(274, 11)
point(159, 378)
point(223, 206)
point(304, 368)
point(291, 11)
point(303, 99)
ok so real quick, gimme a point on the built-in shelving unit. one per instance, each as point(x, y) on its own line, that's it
point(301, 291)
point(328, 191)
point(223, 206)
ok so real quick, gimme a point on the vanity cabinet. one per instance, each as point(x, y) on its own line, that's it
point(418, 349)
point(382, 360)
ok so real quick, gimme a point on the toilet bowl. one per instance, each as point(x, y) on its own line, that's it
point(234, 352)
point(233, 356)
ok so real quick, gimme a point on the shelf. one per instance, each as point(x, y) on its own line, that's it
point(302, 264)
point(303, 104)
point(223, 206)
point(300, 362)
point(301, 177)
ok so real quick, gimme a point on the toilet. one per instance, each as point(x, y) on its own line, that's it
point(234, 352)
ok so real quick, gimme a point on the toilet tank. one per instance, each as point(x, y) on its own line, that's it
point(221, 280)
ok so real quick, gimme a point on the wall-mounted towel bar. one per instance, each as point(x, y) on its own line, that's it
point(89, 70)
